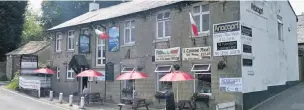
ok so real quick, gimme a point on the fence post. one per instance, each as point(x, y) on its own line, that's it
point(81, 103)
point(51, 95)
point(71, 100)
point(60, 98)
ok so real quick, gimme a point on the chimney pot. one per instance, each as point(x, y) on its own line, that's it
point(93, 6)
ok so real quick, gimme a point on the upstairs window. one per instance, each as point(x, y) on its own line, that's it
point(69, 73)
point(129, 32)
point(100, 50)
point(58, 42)
point(163, 25)
point(71, 40)
point(201, 17)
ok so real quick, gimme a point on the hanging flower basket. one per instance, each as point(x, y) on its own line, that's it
point(160, 95)
point(200, 97)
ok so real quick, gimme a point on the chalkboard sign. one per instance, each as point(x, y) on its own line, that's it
point(247, 48)
point(246, 31)
point(109, 72)
point(247, 62)
point(227, 45)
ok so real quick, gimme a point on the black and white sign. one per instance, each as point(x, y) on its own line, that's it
point(247, 62)
point(28, 63)
point(227, 38)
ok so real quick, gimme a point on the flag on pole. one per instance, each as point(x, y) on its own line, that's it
point(193, 26)
point(101, 35)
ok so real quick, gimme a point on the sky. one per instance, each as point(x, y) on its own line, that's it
point(298, 5)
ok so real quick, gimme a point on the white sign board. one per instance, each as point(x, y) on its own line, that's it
point(227, 38)
point(170, 54)
point(29, 84)
point(28, 63)
point(231, 84)
point(196, 53)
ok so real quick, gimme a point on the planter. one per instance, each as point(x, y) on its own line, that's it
point(196, 97)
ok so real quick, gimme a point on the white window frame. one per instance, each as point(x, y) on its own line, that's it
point(163, 71)
point(280, 31)
point(208, 69)
point(100, 43)
point(200, 31)
point(58, 72)
point(124, 69)
point(196, 72)
point(131, 35)
point(163, 20)
point(72, 37)
point(58, 41)
point(69, 73)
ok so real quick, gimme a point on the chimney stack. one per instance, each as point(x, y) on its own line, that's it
point(93, 6)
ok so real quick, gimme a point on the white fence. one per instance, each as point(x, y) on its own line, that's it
point(34, 82)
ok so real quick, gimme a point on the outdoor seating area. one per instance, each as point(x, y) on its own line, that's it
point(133, 103)
point(92, 98)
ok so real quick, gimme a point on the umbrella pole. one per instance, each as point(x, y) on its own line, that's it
point(133, 89)
point(177, 92)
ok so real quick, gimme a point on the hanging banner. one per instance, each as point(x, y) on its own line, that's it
point(170, 54)
point(196, 53)
point(84, 44)
point(114, 42)
point(231, 84)
point(28, 64)
point(227, 39)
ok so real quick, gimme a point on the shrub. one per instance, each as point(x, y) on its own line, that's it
point(13, 85)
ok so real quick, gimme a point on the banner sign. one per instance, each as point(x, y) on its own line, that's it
point(84, 44)
point(28, 64)
point(170, 54)
point(227, 38)
point(196, 53)
point(29, 84)
point(231, 84)
point(114, 40)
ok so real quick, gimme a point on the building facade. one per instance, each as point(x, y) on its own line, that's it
point(157, 35)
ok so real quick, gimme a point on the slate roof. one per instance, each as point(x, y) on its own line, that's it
point(115, 11)
point(30, 48)
point(300, 28)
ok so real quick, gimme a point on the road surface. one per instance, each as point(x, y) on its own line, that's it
point(13, 101)
point(291, 99)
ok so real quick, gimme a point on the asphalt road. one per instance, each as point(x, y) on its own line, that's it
point(291, 99)
point(12, 101)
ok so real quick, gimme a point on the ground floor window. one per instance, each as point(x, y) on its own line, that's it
point(161, 71)
point(128, 83)
point(202, 75)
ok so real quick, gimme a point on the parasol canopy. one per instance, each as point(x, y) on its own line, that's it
point(132, 75)
point(177, 76)
point(45, 71)
point(89, 73)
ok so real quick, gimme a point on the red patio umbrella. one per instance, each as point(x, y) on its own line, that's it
point(132, 75)
point(45, 71)
point(89, 73)
point(177, 76)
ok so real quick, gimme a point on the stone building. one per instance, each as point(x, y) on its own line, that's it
point(155, 35)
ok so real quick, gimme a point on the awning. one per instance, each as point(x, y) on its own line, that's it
point(201, 68)
point(163, 68)
point(77, 62)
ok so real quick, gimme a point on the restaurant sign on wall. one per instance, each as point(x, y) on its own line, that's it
point(227, 38)
point(196, 53)
point(170, 54)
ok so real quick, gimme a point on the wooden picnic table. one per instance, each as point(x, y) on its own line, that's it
point(185, 105)
point(135, 103)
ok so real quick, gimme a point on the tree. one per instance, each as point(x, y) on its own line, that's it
point(11, 18)
point(32, 30)
point(56, 12)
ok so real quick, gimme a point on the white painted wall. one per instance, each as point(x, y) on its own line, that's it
point(274, 61)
